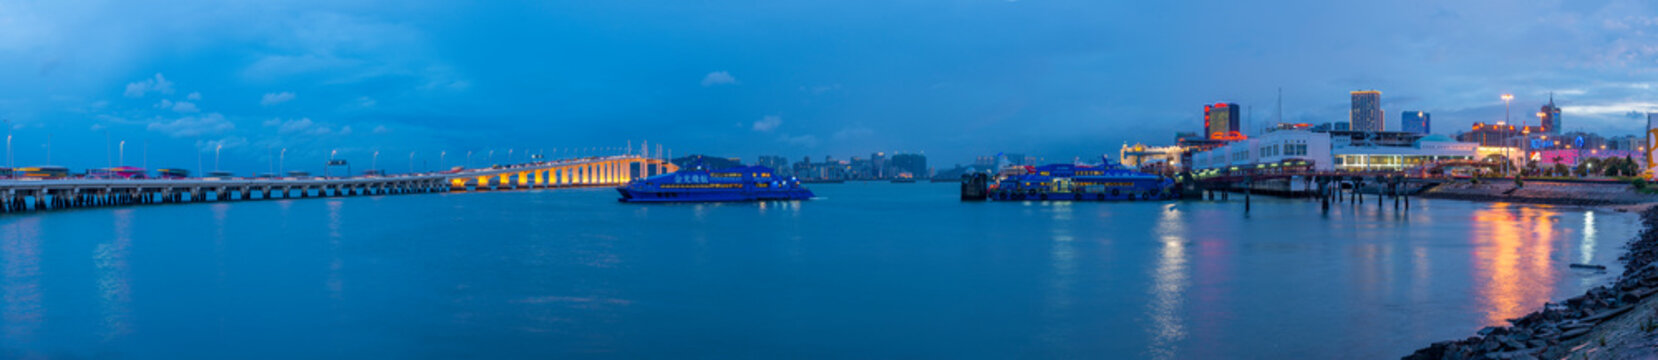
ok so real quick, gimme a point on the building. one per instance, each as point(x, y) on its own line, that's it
point(776, 163)
point(1220, 121)
point(1332, 126)
point(909, 166)
point(1573, 156)
point(1395, 151)
point(1550, 116)
point(878, 165)
point(1335, 150)
point(1140, 155)
point(1295, 150)
point(984, 162)
point(1366, 114)
point(1498, 134)
point(1415, 122)
point(1626, 142)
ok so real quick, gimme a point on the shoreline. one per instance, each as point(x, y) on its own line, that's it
point(1603, 323)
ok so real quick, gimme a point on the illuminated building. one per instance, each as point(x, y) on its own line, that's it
point(1498, 134)
point(1550, 116)
point(1415, 122)
point(1289, 150)
point(1220, 122)
point(1299, 150)
point(1140, 155)
point(1366, 114)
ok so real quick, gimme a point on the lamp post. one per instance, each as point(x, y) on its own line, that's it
point(216, 150)
point(281, 159)
point(1506, 99)
point(123, 152)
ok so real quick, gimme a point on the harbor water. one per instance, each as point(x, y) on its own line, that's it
point(867, 270)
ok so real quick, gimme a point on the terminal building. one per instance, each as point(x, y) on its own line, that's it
point(1277, 151)
point(1302, 150)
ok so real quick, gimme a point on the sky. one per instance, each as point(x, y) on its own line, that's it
point(205, 85)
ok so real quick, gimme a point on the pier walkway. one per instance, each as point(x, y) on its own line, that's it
point(21, 195)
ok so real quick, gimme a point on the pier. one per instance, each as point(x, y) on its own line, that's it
point(23, 195)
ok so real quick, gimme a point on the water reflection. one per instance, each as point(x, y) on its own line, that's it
point(1511, 266)
point(336, 282)
point(20, 251)
point(1169, 282)
point(115, 292)
point(1062, 258)
point(1586, 248)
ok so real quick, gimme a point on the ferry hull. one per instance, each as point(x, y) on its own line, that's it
point(633, 196)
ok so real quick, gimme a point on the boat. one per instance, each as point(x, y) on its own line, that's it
point(743, 183)
point(1104, 182)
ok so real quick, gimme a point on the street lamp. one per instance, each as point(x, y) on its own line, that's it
point(216, 150)
point(281, 158)
point(1506, 99)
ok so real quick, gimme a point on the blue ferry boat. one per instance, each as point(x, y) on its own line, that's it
point(744, 183)
point(1105, 182)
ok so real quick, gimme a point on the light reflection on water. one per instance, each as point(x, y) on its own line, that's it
point(872, 270)
point(1514, 269)
point(1168, 289)
point(110, 260)
point(24, 308)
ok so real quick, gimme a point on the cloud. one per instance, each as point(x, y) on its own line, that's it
point(189, 126)
point(157, 84)
point(305, 126)
point(276, 98)
point(718, 78)
point(768, 123)
point(381, 130)
point(194, 96)
point(185, 107)
point(802, 141)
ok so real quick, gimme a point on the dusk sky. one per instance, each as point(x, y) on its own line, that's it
point(953, 79)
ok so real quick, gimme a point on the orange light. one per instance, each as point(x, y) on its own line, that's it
point(1507, 97)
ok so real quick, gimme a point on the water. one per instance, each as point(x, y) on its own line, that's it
point(870, 270)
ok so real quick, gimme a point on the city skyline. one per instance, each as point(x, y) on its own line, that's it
point(954, 80)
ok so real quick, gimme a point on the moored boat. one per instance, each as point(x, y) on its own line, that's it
point(744, 183)
point(1104, 182)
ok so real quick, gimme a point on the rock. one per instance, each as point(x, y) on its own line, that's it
point(1491, 344)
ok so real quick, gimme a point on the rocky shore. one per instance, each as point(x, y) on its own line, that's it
point(1609, 322)
point(1542, 192)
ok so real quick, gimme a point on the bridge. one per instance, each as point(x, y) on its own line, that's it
point(21, 195)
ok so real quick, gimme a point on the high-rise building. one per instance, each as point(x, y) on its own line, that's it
point(1414, 121)
point(1220, 121)
point(909, 166)
point(1550, 116)
point(776, 163)
point(878, 165)
point(1366, 114)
